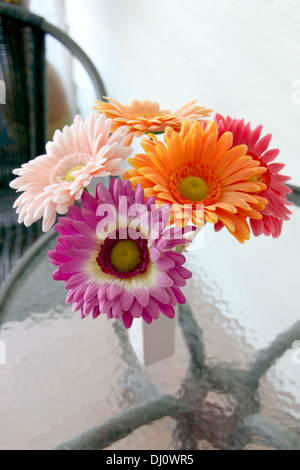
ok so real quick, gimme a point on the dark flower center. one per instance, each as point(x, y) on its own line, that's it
point(123, 258)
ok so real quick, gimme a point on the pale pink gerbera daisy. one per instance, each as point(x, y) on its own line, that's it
point(52, 182)
point(116, 256)
point(276, 210)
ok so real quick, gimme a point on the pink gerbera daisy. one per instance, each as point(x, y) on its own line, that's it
point(116, 262)
point(276, 210)
point(52, 182)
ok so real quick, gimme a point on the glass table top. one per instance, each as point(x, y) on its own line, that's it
point(230, 384)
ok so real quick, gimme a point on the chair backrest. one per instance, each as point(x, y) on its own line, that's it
point(23, 117)
point(22, 71)
point(23, 112)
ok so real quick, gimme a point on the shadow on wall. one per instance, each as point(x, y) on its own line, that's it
point(59, 113)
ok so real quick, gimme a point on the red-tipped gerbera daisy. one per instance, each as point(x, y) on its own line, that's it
point(116, 256)
point(197, 168)
point(276, 210)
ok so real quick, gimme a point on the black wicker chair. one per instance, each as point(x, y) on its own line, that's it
point(23, 119)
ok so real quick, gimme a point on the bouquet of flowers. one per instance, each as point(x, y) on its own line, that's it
point(120, 251)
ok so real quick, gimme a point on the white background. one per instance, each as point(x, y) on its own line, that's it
point(241, 59)
point(237, 57)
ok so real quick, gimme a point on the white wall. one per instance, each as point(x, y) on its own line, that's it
point(238, 57)
point(57, 55)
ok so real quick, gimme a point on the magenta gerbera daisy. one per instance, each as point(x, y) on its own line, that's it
point(116, 256)
point(276, 210)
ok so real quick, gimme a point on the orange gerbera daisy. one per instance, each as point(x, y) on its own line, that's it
point(146, 116)
point(195, 168)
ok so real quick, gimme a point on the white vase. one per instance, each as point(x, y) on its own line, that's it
point(155, 342)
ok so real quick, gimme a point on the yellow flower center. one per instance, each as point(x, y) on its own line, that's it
point(125, 256)
point(193, 188)
point(69, 178)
